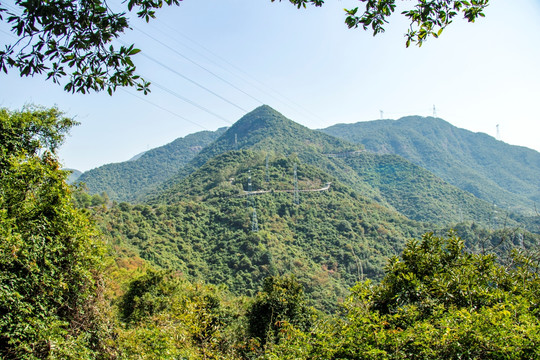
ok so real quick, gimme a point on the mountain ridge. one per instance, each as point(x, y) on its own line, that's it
point(504, 174)
point(127, 181)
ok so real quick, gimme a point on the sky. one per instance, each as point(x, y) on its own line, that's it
point(231, 56)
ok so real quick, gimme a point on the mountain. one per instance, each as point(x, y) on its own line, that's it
point(506, 175)
point(332, 238)
point(265, 129)
point(271, 197)
point(73, 176)
point(126, 181)
point(392, 181)
point(419, 194)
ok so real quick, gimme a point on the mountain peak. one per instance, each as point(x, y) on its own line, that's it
point(268, 130)
point(264, 117)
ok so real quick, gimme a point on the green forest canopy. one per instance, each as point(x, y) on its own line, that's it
point(436, 300)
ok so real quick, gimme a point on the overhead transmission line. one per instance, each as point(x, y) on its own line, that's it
point(191, 81)
point(164, 109)
point(199, 65)
point(153, 59)
point(283, 99)
point(203, 108)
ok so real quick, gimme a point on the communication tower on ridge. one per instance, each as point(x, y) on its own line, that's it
point(434, 111)
point(498, 133)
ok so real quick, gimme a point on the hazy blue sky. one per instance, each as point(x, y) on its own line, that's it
point(307, 65)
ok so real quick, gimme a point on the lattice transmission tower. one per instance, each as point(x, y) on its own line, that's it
point(267, 172)
point(251, 200)
point(254, 223)
point(296, 195)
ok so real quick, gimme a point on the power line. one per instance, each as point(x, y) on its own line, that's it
point(164, 109)
point(191, 81)
point(8, 34)
point(175, 94)
point(283, 99)
point(199, 65)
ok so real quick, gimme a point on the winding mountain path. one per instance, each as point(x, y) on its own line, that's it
point(260, 192)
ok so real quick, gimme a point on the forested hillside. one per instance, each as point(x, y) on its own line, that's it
point(392, 182)
point(329, 240)
point(420, 195)
point(352, 209)
point(265, 129)
point(253, 255)
point(503, 174)
point(126, 181)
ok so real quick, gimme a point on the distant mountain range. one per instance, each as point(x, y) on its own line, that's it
point(269, 196)
point(126, 181)
point(505, 175)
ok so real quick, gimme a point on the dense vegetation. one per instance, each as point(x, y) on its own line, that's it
point(187, 275)
point(265, 129)
point(419, 194)
point(391, 181)
point(436, 301)
point(129, 180)
point(489, 169)
point(50, 256)
point(330, 240)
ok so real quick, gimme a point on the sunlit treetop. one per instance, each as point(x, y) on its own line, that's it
point(71, 41)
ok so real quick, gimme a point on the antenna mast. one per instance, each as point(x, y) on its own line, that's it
point(498, 133)
point(434, 111)
point(382, 114)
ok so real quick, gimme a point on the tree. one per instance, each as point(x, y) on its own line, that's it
point(281, 302)
point(74, 35)
point(73, 38)
point(428, 17)
point(50, 255)
point(437, 301)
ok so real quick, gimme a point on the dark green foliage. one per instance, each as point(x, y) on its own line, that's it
point(330, 240)
point(427, 18)
point(281, 302)
point(489, 169)
point(74, 39)
point(50, 256)
point(419, 194)
point(437, 301)
point(129, 180)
